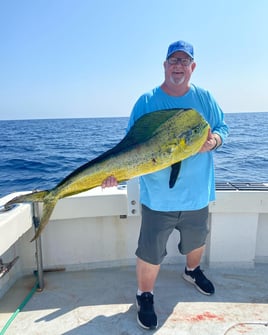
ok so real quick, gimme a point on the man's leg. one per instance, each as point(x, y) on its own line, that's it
point(155, 229)
point(193, 258)
point(193, 226)
point(146, 275)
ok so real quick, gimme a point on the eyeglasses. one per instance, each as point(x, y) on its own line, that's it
point(177, 60)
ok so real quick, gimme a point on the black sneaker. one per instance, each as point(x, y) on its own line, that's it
point(199, 280)
point(146, 317)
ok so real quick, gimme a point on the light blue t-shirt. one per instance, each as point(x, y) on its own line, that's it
point(195, 186)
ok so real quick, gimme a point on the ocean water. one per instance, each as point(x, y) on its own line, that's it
point(37, 154)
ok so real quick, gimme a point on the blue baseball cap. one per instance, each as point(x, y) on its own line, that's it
point(181, 46)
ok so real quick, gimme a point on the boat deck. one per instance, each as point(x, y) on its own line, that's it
point(102, 301)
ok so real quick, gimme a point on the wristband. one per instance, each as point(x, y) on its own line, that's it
point(216, 145)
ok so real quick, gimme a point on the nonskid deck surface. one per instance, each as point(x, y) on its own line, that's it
point(102, 301)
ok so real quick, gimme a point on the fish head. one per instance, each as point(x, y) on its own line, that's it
point(198, 133)
point(191, 130)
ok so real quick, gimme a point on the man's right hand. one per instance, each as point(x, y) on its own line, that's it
point(109, 182)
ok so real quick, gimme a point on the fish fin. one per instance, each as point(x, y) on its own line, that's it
point(48, 207)
point(37, 196)
point(175, 170)
point(146, 126)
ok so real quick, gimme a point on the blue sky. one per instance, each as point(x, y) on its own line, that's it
point(85, 58)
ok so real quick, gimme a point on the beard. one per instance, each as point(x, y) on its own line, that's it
point(176, 81)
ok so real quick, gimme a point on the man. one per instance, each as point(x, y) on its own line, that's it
point(185, 206)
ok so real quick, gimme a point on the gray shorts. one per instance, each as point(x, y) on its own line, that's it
point(157, 226)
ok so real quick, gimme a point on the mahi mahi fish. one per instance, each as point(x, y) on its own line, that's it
point(156, 141)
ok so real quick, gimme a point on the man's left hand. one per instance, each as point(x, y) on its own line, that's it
point(213, 141)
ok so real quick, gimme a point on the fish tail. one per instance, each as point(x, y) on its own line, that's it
point(49, 201)
point(37, 196)
point(48, 207)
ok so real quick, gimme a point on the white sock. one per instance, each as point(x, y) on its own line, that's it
point(139, 292)
point(190, 269)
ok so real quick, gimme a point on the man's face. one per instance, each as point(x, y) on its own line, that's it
point(179, 68)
